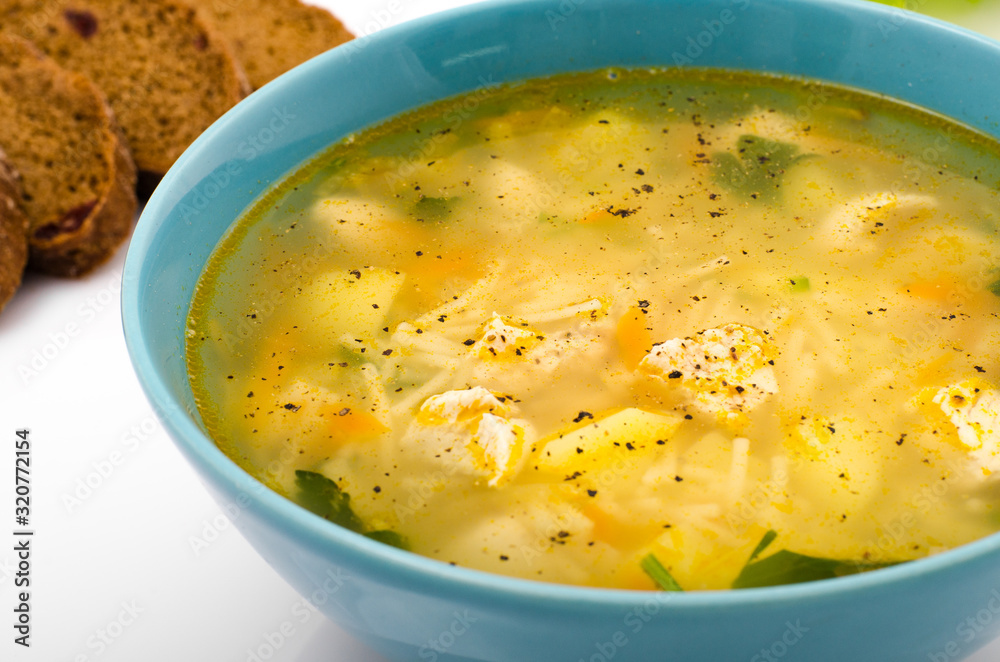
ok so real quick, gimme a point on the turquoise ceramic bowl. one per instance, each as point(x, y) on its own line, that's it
point(408, 607)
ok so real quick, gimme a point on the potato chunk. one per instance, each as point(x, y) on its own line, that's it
point(342, 302)
point(600, 444)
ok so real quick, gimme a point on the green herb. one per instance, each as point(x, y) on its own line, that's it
point(800, 284)
point(652, 567)
point(322, 496)
point(389, 538)
point(785, 567)
point(762, 545)
point(434, 209)
point(349, 354)
point(755, 171)
point(994, 287)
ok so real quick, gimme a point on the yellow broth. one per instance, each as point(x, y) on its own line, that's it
point(547, 330)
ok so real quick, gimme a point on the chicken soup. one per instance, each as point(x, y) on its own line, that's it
point(633, 329)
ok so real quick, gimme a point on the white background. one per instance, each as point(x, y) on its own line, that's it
point(131, 560)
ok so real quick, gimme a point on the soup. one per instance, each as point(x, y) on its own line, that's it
point(635, 329)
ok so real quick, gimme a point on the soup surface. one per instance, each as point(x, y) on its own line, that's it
point(625, 329)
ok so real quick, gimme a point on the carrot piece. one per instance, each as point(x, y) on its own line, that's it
point(353, 424)
point(939, 291)
point(598, 216)
point(634, 339)
point(617, 533)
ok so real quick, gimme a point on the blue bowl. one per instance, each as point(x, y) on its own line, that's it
point(408, 607)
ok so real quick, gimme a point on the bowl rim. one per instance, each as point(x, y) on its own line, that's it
point(407, 568)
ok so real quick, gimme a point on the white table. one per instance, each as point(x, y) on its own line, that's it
point(131, 560)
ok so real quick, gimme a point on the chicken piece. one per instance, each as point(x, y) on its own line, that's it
point(853, 225)
point(476, 421)
point(496, 447)
point(500, 339)
point(728, 370)
point(974, 408)
point(462, 405)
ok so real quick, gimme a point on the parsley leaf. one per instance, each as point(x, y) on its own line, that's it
point(322, 496)
point(389, 538)
point(755, 171)
point(432, 209)
point(652, 567)
point(785, 567)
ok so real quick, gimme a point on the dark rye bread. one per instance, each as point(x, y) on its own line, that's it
point(166, 73)
point(77, 175)
point(13, 232)
point(272, 36)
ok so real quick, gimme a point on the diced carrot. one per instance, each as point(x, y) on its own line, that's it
point(939, 291)
point(354, 424)
point(598, 216)
point(616, 532)
point(343, 425)
point(634, 339)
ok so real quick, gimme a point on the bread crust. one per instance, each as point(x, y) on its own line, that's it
point(13, 232)
point(166, 72)
point(70, 239)
point(103, 230)
point(271, 36)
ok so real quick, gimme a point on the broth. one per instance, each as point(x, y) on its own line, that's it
point(613, 328)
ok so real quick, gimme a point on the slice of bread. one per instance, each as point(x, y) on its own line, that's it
point(166, 73)
point(78, 177)
point(272, 36)
point(13, 232)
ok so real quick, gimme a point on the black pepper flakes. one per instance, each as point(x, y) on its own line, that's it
point(582, 415)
